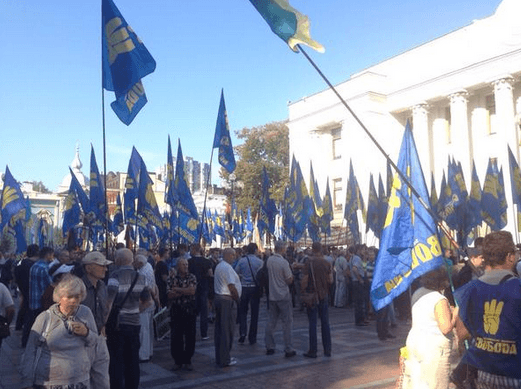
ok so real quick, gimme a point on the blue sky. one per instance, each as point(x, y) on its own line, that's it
point(51, 71)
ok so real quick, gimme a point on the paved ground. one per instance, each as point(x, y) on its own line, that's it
point(359, 360)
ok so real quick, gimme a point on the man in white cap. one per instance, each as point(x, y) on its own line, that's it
point(95, 267)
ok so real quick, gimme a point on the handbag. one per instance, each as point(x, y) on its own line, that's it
point(112, 323)
point(308, 298)
point(4, 328)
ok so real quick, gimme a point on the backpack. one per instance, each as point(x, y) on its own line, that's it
point(262, 278)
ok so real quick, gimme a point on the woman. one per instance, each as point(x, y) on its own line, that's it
point(57, 349)
point(430, 339)
point(181, 291)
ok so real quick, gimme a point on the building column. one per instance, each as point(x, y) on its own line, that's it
point(459, 129)
point(507, 133)
point(422, 135)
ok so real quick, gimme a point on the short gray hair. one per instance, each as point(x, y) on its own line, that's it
point(69, 285)
point(280, 245)
point(124, 257)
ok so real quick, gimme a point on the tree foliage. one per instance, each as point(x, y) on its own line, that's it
point(39, 186)
point(263, 146)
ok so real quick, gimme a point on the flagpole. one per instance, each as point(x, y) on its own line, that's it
point(205, 197)
point(104, 147)
point(395, 167)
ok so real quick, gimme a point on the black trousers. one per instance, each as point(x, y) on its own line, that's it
point(123, 346)
point(182, 337)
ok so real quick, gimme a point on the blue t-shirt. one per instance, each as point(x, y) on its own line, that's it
point(492, 315)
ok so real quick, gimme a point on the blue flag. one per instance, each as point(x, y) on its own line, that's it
point(82, 197)
point(297, 204)
point(218, 227)
point(222, 139)
point(382, 204)
point(147, 203)
point(14, 205)
point(328, 216)
point(117, 222)
point(287, 23)
point(188, 228)
point(473, 216)
point(125, 62)
point(19, 231)
point(453, 201)
point(169, 182)
point(354, 202)
point(372, 210)
point(267, 209)
point(409, 246)
point(71, 209)
point(132, 187)
point(183, 199)
point(493, 208)
point(96, 192)
point(515, 182)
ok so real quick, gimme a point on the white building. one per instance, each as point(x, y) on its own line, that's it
point(461, 91)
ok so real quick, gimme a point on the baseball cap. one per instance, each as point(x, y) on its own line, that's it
point(96, 258)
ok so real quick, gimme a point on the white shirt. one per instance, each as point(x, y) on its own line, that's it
point(224, 276)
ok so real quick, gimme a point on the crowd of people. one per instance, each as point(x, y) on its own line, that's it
point(101, 309)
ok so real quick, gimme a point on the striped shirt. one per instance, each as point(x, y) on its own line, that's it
point(118, 285)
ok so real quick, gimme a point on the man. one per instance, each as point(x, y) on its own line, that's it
point(201, 268)
point(318, 277)
point(95, 267)
point(22, 274)
point(490, 314)
point(280, 277)
point(227, 294)
point(247, 268)
point(161, 274)
point(39, 280)
point(341, 274)
point(357, 280)
point(123, 339)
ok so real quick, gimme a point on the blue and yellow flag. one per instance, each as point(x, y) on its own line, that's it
point(372, 209)
point(82, 197)
point(169, 182)
point(147, 203)
point(515, 181)
point(71, 210)
point(96, 192)
point(117, 222)
point(473, 216)
point(493, 203)
point(132, 187)
point(182, 196)
point(14, 205)
point(126, 61)
point(327, 206)
point(382, 204)
point(218, 227)
point(222, 138)
point(19, 233)
point(267, 209)
point(188, 228)
point(409, 246)
point(297, 204)
point(353, 203)
point(287, 23)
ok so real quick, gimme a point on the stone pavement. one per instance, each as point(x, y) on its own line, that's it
point(359, 360)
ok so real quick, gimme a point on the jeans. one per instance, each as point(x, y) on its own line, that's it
point(249, 296)
point(322, 309)
point(123, 346)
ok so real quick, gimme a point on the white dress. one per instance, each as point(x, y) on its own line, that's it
point(427, 366)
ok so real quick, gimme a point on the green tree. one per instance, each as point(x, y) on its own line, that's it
point(39, 186)
point(263, 146)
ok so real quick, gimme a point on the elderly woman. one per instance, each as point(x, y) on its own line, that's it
point(181, 291)
point(430, 339)
point(57, 355)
